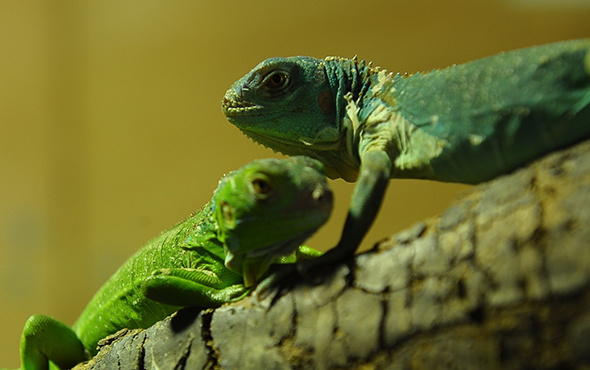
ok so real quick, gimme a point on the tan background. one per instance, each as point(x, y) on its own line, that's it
point(111, 128)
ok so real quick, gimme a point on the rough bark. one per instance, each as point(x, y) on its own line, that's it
point(499, 280)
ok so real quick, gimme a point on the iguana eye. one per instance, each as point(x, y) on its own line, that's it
point(262, 188)
point(276, 80)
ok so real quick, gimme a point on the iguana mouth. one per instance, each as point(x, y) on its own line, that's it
point(255, 263)
point(283, 247)
point(236, 108)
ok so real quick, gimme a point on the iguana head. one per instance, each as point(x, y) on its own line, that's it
point(292, 105)
point(267, 209)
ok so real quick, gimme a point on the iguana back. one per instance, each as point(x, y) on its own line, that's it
point(497, 113)
point(119, 303)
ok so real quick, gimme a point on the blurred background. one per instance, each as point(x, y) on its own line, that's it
point(111, 128)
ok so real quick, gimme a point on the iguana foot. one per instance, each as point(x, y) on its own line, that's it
point(306, 272)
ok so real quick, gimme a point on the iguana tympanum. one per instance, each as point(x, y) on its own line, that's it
point(466, 123)
point(258, 214)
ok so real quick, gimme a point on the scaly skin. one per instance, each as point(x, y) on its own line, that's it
point(467, 123)
point(258, 215)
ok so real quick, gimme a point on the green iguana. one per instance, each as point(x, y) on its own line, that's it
point(257, 214)
point(466, 123)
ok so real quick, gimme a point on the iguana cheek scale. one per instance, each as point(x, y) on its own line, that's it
point(258, 215)
point(466, 123)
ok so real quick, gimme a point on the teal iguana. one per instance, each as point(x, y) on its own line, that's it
point(257, 214)
point(466, 123)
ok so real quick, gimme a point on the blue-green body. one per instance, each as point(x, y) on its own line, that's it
point(497, 113)
point(466, 123)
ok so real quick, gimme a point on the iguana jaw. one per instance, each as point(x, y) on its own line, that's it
point(252, 262)
point(328, 140)
point(234, 108)
point(289, 147)
point(249, 117)
point(256, 263)
point(333, 154)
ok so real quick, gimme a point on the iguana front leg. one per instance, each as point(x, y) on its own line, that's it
point(365, 203)
point(189, 287)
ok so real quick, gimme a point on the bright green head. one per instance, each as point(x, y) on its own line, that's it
point(266, 209)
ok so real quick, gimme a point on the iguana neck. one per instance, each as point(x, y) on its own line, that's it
point(350, 81)
point(348, 76)
point(204, 231)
